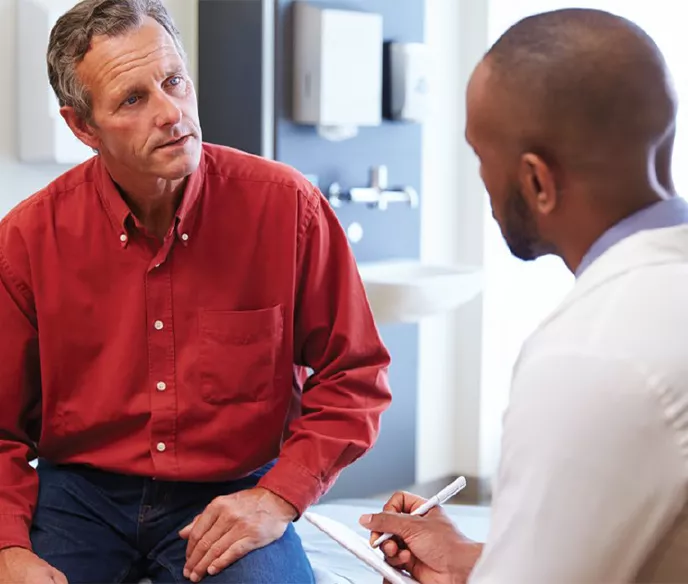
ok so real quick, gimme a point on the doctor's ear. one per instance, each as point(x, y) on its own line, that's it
point(537, 183)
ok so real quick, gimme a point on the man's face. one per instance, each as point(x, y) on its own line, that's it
point(145, 114)
point(489, 138)
point(518, 226)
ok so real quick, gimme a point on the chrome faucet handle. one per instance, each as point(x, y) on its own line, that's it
point(376, 196)
point(413, 198)
point(378, 177)
point(406, 195)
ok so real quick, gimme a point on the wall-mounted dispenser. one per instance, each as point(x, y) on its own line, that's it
point(43, 135)
point(337, 84)
point(408, 76)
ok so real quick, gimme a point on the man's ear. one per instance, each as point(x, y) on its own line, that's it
point(537, 184)
point(80, 127)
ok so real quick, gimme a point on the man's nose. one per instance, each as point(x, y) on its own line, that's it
point(168, 112)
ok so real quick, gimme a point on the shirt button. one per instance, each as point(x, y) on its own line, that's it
point(158, 325)
point(185, 236)
point(161, 447)
point(162, 386)
point(123, 237)
point(157, 265)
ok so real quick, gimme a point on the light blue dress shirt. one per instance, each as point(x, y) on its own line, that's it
point(666, 213)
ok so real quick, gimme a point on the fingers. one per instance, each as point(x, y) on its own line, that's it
point(229, 528)
point(404, 561)
point(400, 502)
point(403, 502)
point(374, 536)
point(58, 577)
point(186, 531)
point(399, 524)
point(222, 553)
point(406, 557)
point(394, 554)
point(199, 527)
point(234, 552)
point(394, 503)
point(201, 539)
point(397, 561)
point(390, 548)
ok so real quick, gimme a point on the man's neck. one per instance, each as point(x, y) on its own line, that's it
point(154, 204)
point(597, 221)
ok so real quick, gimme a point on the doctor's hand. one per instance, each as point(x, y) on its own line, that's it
point(230, 527)
point(430, 548)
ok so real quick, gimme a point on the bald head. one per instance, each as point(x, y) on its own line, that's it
point(572, 116)
point(582, 78)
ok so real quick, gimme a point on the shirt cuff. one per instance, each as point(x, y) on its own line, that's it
point(293, 483)
point(14, 531)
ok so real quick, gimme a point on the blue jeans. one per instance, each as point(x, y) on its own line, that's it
point(99, 527)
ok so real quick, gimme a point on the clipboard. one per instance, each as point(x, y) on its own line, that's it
point(358, 546)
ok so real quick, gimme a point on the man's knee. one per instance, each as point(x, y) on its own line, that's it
point(282, 561)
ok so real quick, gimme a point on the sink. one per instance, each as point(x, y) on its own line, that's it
point(405, 290)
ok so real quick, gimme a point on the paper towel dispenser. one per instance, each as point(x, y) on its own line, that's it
point(407, 80)
point(337, 82)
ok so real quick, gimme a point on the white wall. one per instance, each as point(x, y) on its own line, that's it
point(17, 181)
point(451, 232)
point(185, 14)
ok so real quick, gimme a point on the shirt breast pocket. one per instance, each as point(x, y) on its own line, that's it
point(238, 354)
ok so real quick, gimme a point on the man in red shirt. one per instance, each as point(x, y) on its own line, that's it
point(159, 306)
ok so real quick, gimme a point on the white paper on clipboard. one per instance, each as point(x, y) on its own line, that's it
point(358, 546)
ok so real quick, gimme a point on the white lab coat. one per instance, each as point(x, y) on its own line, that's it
point(592, 485)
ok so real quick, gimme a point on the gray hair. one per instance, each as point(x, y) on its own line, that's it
point(71, 37)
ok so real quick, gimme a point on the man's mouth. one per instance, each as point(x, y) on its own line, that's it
point(177, 142)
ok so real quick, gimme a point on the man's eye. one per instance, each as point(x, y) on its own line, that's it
point(176, 80)
point(131, 100)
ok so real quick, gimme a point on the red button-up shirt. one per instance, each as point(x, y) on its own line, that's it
point(184, 360)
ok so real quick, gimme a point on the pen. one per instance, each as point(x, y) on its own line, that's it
point(446, 493)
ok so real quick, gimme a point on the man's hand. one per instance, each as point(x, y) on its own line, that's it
point(430, 548)
point(19, 565)
point(232, 526)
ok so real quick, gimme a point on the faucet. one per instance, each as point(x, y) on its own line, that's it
point(376, 196)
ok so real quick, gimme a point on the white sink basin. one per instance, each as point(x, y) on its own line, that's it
point(409, 290)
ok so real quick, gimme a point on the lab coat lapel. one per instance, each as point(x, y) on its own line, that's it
point(646, 248)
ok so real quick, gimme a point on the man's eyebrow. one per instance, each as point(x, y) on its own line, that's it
point(129, 89)
point(175, 70)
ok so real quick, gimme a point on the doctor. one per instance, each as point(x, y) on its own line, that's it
point(572, 115)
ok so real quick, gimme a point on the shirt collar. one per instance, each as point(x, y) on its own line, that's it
point(121, 216)
point(667, 213)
